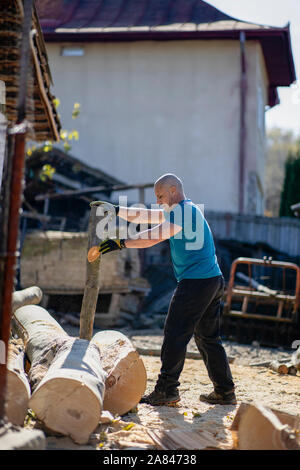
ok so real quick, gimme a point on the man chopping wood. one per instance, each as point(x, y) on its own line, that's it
point(194, 309)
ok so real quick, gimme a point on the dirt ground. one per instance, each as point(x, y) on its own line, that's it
point(253, 384)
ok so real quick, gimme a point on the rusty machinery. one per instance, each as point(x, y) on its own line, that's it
point(262, 302)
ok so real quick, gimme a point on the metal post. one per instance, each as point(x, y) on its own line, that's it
point(18, 134)
point(242, 137)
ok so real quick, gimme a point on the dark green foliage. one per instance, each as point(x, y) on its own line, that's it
point(291, 188)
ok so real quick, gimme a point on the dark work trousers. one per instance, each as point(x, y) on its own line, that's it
point(195, 310)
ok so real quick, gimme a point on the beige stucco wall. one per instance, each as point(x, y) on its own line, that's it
point(257, 98)
point(155, 107)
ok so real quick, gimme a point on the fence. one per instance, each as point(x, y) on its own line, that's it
point(282, 233)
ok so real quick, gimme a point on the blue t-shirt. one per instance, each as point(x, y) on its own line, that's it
point(192, 249)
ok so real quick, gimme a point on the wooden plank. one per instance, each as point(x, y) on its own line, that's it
point(242, 292)
point(234, 313)
point(245, 303)
point(181, 439)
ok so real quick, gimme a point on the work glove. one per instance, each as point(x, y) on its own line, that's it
point(111, 245)
point(107, 206)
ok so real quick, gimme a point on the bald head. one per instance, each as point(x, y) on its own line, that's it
point(169, 189)
point(168, 180)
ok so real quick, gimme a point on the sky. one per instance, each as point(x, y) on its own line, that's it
point(286, 115)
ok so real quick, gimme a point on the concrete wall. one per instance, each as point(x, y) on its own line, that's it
point(155, 107)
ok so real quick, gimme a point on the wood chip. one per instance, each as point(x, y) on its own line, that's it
point(178, 439)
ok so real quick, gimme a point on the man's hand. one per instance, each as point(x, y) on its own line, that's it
point(112, 245)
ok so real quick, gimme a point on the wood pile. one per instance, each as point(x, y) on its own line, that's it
point(290, 365)
point(70, 381)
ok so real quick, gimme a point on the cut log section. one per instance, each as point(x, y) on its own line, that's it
point(31, 295)
point(66, 375)
point(69, 399)
point(18, 389)
point(127, 379)
point(257, 427)
point(278, 367)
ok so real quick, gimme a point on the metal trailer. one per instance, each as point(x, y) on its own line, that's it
point(262, 302)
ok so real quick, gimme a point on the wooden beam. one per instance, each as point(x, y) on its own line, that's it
point(93, 189)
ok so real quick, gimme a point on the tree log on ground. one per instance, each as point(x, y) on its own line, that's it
point(278, 367)
point(257, 427)
point(66, 375)
point(18, 389)
point(29, 296)
point(127, 378)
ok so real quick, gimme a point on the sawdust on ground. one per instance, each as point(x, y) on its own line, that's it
point(253, 384)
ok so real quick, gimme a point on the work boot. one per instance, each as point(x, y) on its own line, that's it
point(226, 398)
point(161, 397)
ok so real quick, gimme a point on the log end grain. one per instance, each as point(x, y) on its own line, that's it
point(17, 397)
point(126, 374)
point(126, 385)
point(72, 409)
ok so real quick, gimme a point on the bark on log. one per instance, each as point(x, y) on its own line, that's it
point(41, 335)
point(29, 296)
point(66, 375)
point(91, 291)
point(18, 389)
point(127, 378)
point(280, 368)
point(292, 370)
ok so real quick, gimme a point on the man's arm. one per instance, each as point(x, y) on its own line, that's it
point(141, 215)
point(153, 236)
point(143, 239)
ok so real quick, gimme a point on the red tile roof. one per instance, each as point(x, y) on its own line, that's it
point(125, 20)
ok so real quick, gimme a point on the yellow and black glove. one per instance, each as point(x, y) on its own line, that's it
point(111, 245)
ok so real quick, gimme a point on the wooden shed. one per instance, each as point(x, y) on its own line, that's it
point(40, 109)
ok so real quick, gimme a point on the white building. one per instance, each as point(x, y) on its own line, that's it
point(169, 87)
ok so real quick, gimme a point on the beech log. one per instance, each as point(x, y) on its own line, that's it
point(66, 375)
point(126, 374)
point(280, 368)
point(18, 389)
point(259, 428)
point(29, 296)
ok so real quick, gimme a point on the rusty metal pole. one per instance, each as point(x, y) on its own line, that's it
point(14, 198)
point(242, 136)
